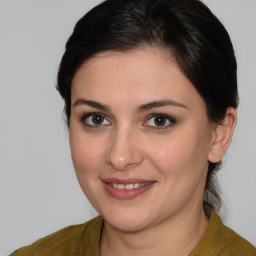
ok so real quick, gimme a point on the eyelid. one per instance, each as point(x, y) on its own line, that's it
point(154, 115)
point(84, 116)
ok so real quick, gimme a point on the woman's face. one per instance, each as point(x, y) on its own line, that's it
point(140, 138)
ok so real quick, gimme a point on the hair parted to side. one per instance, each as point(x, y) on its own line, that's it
point(187, 29)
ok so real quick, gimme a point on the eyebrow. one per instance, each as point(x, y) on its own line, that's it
point(158, 104)
point(91, 103)
point(142, 108)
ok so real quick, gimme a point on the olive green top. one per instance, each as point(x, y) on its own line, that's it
point(84, 240)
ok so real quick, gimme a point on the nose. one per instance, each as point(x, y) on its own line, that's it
point(124, 152)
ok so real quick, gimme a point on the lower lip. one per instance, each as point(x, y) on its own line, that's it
point(126, 194)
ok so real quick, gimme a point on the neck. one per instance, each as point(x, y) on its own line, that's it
point(178, 235)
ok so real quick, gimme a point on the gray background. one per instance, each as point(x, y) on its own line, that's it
point(39, 193)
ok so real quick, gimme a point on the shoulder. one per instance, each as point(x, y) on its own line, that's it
point(72, 240)
point(220, 240)
point(234, 244)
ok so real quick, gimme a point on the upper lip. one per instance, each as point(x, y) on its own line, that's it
point(125, 181)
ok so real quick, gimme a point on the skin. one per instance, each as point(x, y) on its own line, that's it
point(127, 143)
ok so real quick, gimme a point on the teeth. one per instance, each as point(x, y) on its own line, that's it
point(128, 186)
point(120, 186)
point(137, 185)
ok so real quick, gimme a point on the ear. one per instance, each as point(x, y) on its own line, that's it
point(222, 136)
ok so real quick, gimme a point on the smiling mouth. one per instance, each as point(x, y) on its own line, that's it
point(128, 186)
point(126, 189)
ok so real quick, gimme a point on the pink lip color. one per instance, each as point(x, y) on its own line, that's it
point(125, 194)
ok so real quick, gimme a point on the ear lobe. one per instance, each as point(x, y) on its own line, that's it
point(222, 136)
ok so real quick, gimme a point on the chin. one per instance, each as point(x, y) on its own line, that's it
point(127, 226)
point(128, 220)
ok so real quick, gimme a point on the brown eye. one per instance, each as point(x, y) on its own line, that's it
point(160, 120)
point(95, 119)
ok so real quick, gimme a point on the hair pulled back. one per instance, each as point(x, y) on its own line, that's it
point(187, 29)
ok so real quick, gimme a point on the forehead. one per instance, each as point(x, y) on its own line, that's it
point(137, 75)
point(135, 56)
point(138, 61)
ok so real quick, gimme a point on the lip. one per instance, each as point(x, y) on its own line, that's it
point(124, 194)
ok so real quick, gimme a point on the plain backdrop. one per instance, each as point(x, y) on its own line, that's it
point(39, 193)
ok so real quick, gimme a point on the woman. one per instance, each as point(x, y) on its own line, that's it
point(150, 94)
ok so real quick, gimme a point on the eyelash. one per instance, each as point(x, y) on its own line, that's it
point(170, 119)
point(84, 117)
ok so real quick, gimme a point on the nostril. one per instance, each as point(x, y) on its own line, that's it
point(124, 160)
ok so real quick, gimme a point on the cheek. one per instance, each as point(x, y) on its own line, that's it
point(181, 152)
point(87, 161)
point(85, 153)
